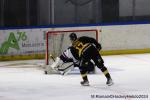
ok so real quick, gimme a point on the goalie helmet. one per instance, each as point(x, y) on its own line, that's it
point(73, 36)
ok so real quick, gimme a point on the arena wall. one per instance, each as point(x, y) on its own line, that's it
point(29, 43)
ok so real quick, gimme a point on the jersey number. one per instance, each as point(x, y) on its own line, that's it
point(80, 47)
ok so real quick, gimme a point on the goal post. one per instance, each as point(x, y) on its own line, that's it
point(58, 41)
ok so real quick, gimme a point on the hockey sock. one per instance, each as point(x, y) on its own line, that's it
point(84, 76)
point(105, 72)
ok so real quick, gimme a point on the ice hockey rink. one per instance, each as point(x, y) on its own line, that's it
point(25, 80)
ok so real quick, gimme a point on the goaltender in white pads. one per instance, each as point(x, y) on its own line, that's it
point(60, 67)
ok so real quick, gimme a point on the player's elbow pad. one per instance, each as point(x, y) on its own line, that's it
point(99, 47)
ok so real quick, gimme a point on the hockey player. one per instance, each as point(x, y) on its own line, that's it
point(84, 49)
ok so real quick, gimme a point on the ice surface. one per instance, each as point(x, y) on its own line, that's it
point(130, 73)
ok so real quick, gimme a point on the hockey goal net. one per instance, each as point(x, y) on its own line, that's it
point(58, 41)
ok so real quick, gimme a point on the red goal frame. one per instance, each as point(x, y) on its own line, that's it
point(55, 32)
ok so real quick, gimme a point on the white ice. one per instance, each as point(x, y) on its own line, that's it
point(130, 73)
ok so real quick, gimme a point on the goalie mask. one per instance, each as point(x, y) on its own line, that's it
point(73, 36)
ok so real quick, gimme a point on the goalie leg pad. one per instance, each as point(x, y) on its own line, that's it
point(49, 70)
point(57, 63)
point(67, 70)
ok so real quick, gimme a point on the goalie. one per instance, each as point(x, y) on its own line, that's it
point(60, 64)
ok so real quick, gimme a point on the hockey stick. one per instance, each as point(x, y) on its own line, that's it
point(52, 57)
point(66, 67)
point(66, 70)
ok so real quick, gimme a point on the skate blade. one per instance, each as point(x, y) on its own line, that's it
point(110, 84)
point(85, 84)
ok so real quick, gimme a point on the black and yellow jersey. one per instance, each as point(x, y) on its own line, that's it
point(85, 39)
point(81, 43)
point(80, 46)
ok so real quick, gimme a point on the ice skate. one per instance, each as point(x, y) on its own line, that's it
point(85, 83)
point(109, 82)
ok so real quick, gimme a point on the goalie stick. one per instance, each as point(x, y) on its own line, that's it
point(66, 70)
point(52, 57)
